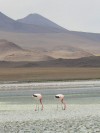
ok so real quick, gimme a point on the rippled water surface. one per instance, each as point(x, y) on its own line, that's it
point(79, 92)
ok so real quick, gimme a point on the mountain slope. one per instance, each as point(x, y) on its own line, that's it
point(39, 20)
point(44, 36)
point(12, 52)
point(68, 52)
point(10, 25)
point(8, 47)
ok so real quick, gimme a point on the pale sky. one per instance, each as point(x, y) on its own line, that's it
point(77, 15)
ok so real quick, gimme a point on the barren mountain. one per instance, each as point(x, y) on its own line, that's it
point(12, 52)
point(68, 52)
point(50, 41)
point(39, 20)
point(81, 62)
point(8, 24)
point(93, 61)
point(8, 47)
point(46, 40)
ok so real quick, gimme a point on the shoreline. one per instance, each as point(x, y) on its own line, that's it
point(68, 85)
point(82, 114)
point(48, 81)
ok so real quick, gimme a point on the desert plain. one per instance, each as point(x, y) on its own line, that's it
point(39, 74)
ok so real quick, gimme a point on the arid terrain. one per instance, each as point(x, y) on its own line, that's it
point(39, 39)
point(49, 66)
point(64, 45)
point(36, 49)
point(10, 51)
point(48, 74)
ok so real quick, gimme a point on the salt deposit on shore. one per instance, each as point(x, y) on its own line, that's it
point(69, 84)
point(82, 115)
point(76, 119)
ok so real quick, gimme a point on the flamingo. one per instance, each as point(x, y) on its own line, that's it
point(38, 97)
point(61, 98)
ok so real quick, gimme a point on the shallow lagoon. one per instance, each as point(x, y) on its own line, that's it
point(79, 92)
point(17, 113)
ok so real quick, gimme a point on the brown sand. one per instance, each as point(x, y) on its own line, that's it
point(48, 74)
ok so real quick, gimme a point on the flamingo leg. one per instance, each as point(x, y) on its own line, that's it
point(62, 104)
point(41, 104)
point(57, 104)
point(36, 107)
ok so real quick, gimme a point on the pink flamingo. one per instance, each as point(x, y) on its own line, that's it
point(61, 98)
point(38, 97)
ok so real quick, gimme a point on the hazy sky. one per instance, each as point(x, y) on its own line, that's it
point(79, 15)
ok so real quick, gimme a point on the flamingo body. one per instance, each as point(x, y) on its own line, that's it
point(38, 96)
point(61, 98)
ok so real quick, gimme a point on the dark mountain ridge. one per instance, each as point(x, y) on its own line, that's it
point(81, 62)
point(10, 25)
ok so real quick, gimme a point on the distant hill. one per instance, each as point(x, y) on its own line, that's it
point(88, 42)
point(11, 52)
point(39, 20)
point(8, 47)
point(68, 52)
point(82, 62)
point(10, 25)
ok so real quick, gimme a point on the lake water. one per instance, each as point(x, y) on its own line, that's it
point(76, 92)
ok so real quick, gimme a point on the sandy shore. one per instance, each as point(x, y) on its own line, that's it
point(75, 119)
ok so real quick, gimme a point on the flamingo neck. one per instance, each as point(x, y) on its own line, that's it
point(41, 103)
point(64, 104)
